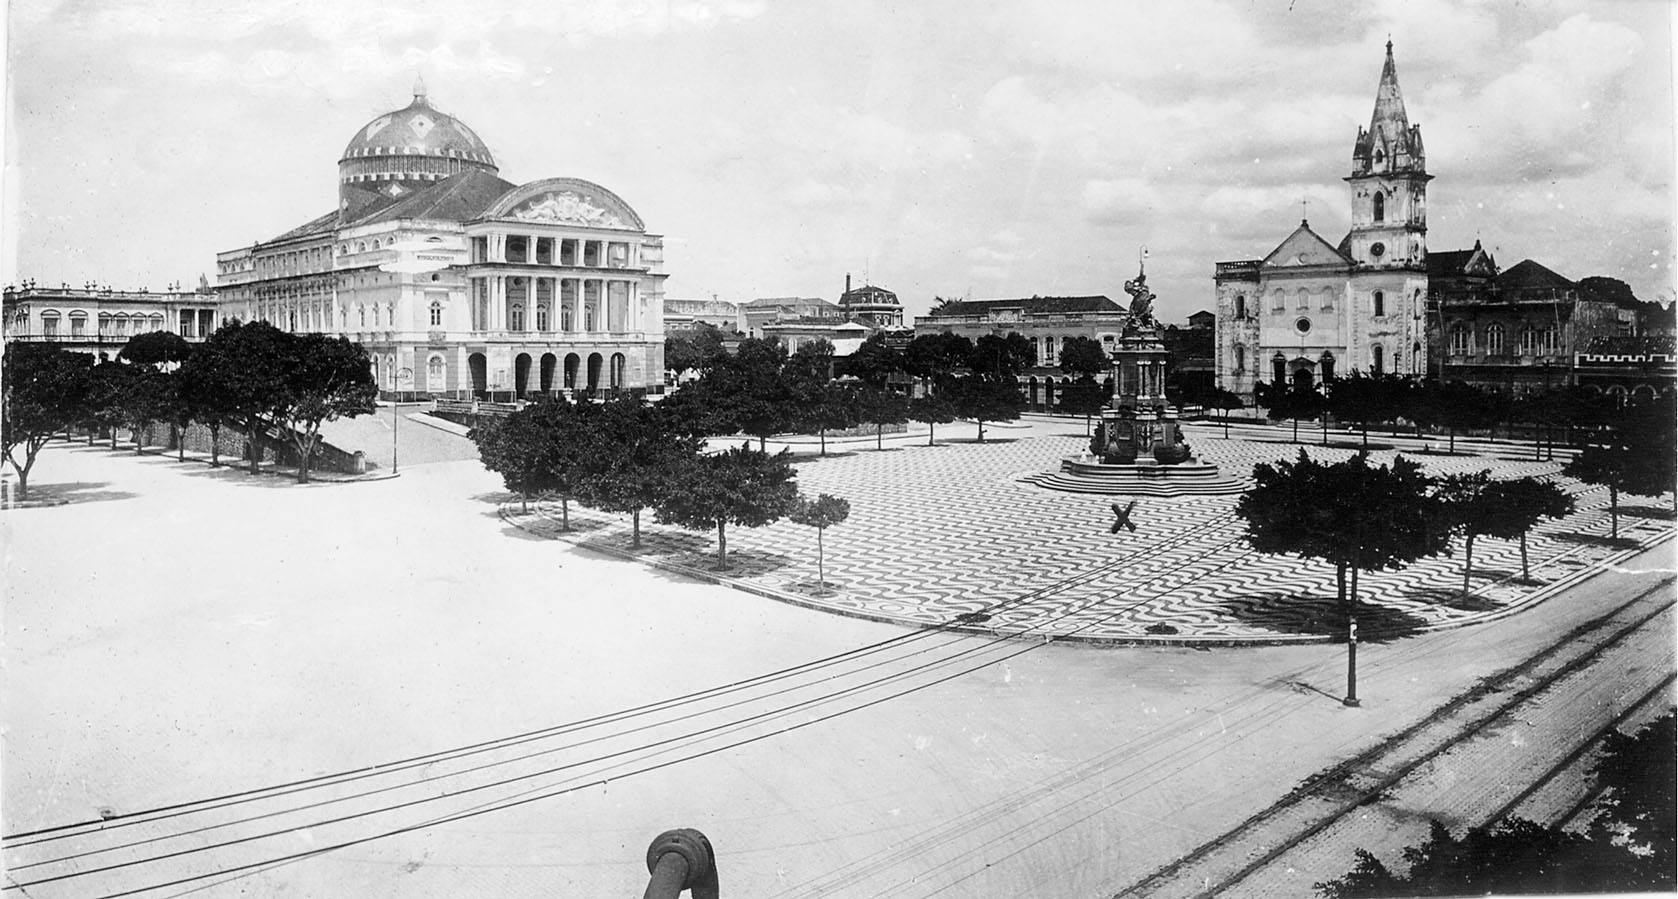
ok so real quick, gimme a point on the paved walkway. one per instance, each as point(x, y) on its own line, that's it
point(950, 532)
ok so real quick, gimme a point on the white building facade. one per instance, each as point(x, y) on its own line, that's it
point(459, 283)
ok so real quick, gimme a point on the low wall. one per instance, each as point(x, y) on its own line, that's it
point(232, 444)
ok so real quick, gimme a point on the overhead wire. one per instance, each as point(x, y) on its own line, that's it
point(512, 803)
point(21, 839)
point(1084, 577)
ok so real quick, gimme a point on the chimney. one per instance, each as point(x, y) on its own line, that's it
point(847, 283)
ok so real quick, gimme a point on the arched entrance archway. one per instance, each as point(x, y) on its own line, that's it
point(1303, 378)
point(594, 363)
point(479, 367)
point(572, 363)
point(549, 363)
point(521, 374)
point(619, 369)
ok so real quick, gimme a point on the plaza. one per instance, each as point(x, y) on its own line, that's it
point(331, 627)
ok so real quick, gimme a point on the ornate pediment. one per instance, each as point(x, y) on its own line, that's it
point(568, 207)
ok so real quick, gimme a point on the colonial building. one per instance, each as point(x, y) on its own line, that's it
point(681, 316)
point(1048, 322)
point(1311, 308)
point(461, 283)
point(787, 310)
point(870, 306)
point(1516, 331)
point(100, 320)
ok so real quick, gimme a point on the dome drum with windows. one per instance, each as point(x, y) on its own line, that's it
point(415, 143)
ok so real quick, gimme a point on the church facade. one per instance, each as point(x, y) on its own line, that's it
point(1311, 308)
point(458, 282)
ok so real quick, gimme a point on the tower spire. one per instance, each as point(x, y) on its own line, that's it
point(1391, 144)
point(419, 89)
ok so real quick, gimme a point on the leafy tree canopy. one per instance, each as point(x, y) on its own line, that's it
point(1083, 356)
point(1349, 513)
point(156, 347)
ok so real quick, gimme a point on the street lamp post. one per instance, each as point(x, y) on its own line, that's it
point(416, 257)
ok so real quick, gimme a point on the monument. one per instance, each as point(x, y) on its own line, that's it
point(1138, 447)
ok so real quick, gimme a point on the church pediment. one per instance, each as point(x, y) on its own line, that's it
point(1302, 248)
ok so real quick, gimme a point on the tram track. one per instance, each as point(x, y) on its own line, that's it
point(1222, 863)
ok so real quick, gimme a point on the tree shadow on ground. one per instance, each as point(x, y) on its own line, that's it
point(1656, 512)
point(741, 563)
point(241, 476)
point(1287, 613)
point(986, 442)
point(1599, 540)
point(816, 456)
point(75, 492)
point(670, 543)
point(1455, 599)
point(497, 497)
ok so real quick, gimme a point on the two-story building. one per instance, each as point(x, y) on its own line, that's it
point(99, 320)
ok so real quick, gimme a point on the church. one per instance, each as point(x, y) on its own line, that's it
point(460, 283)
point(1312, 308)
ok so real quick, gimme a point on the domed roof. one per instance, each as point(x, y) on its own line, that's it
point(868, 295)
point(417, 130)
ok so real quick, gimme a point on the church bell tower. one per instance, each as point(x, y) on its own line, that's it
point(1389, 184)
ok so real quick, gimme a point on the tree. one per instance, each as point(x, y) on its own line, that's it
point(110, 386)
point(145, 398)
point(935, 355)
point(934, 410)
point(985, 398)
point(811, 363)
point(763, 402)
point(1513, 856)
point(323, 379)
point(1083, 356)
point(178, 410)
point(1517, 506)
point(875, 361)
point(1360, 398)
point(239, 374)
point(879, 407)
point(1001, 357)
point(44, 388)
point(697, 349)
point(1469, 511)
point(546, 447)
point(156, 348)
point(1629, 846)
point(1292, 402)
point(1224, 400)
point(1638, 774)
point(1353, 515)
point(1083, 397)
point(820, 513)
point(1636, 456)
point(634, 449)
point(1454, 406)
point(740, 486)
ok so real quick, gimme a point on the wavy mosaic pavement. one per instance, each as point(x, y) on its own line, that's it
point(952, 532)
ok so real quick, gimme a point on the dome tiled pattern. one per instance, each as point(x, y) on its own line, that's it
point(417, 142)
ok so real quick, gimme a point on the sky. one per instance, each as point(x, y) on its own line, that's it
point(938, 148)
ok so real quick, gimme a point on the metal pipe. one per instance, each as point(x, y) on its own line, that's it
point(681, 860)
